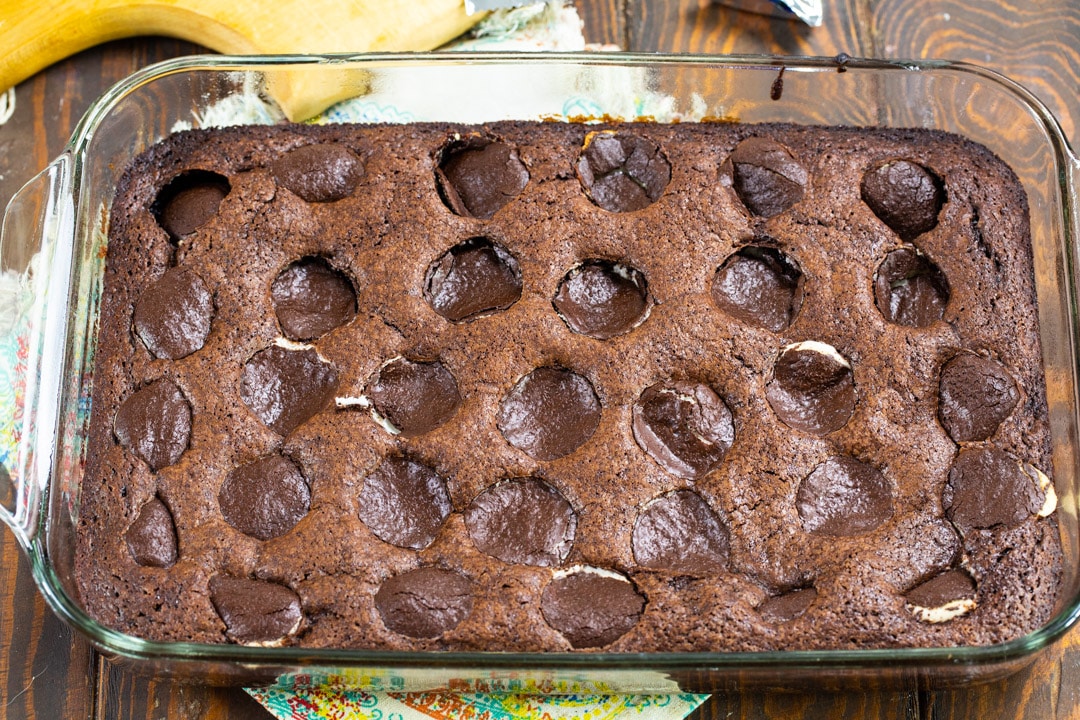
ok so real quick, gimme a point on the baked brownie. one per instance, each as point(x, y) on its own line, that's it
point(551, 386)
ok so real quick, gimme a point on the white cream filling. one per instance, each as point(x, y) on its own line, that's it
point(944, 613)
point(293, 346)
point(576, 569)
point(693, 401)
point(391, 360)
point(384, 423)
point(284, 342)
point(626, 273)
point(1050, 504)
point(820, 348)
point(346, 401)
point(363, 401)
point(1046, 485)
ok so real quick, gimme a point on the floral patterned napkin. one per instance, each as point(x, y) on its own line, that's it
point(332, 704)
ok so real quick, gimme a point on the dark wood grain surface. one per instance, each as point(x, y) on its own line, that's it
point(46, 672)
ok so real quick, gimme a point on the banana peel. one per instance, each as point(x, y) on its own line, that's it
point(36, 34)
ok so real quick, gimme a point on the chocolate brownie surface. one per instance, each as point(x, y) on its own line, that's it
point(547, 386)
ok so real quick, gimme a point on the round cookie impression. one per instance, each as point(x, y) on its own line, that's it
point(287, 387)
point(412, 398)
point(154, 422)
point(591, 607)
point(844, 496)
point(621, 172)
point(255, 612)
point(987, 487)
point(476, 176)
point(765, 176)
point(760, 286)
point(189, 201)
point(404, 503)
point(788, 606)
point(909, 289)
point(173, 314)
point(151, 538)
point(905, 196)
point(524, 521)
point(684, 426)
point(321, 172)
point(812, 388)
point(473, 279)
point(975, 395)
point(265, 498)
point(549, 413)
point(943, 597)
point(602, 299)
point(311, 299)
point(424, 603)
point(679, 532)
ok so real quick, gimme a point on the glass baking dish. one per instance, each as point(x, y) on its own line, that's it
point(53, 242)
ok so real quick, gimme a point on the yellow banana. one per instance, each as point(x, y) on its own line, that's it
point(36, 34)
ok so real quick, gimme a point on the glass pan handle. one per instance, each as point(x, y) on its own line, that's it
point(34, 279)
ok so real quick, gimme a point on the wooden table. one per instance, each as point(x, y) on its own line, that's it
point(47, 673)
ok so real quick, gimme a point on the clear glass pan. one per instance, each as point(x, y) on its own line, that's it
point(53, 236)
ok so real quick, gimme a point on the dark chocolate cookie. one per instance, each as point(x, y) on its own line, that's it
point(173, 314)
point(477, 176)
point(524, 521)
point(621, 172)
point(285, 388)
point(472, 279)
point(602, 299)
point(765, 176)
point(591, 607)
point(154, 422)
point(311, 299)
point(404, 502)
point(413, 397)
point(265, 498)
point(684, 426)
point(679, 532)
point(549, 413)
point(256, 612)
point(424, 603)
point(319, 172)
